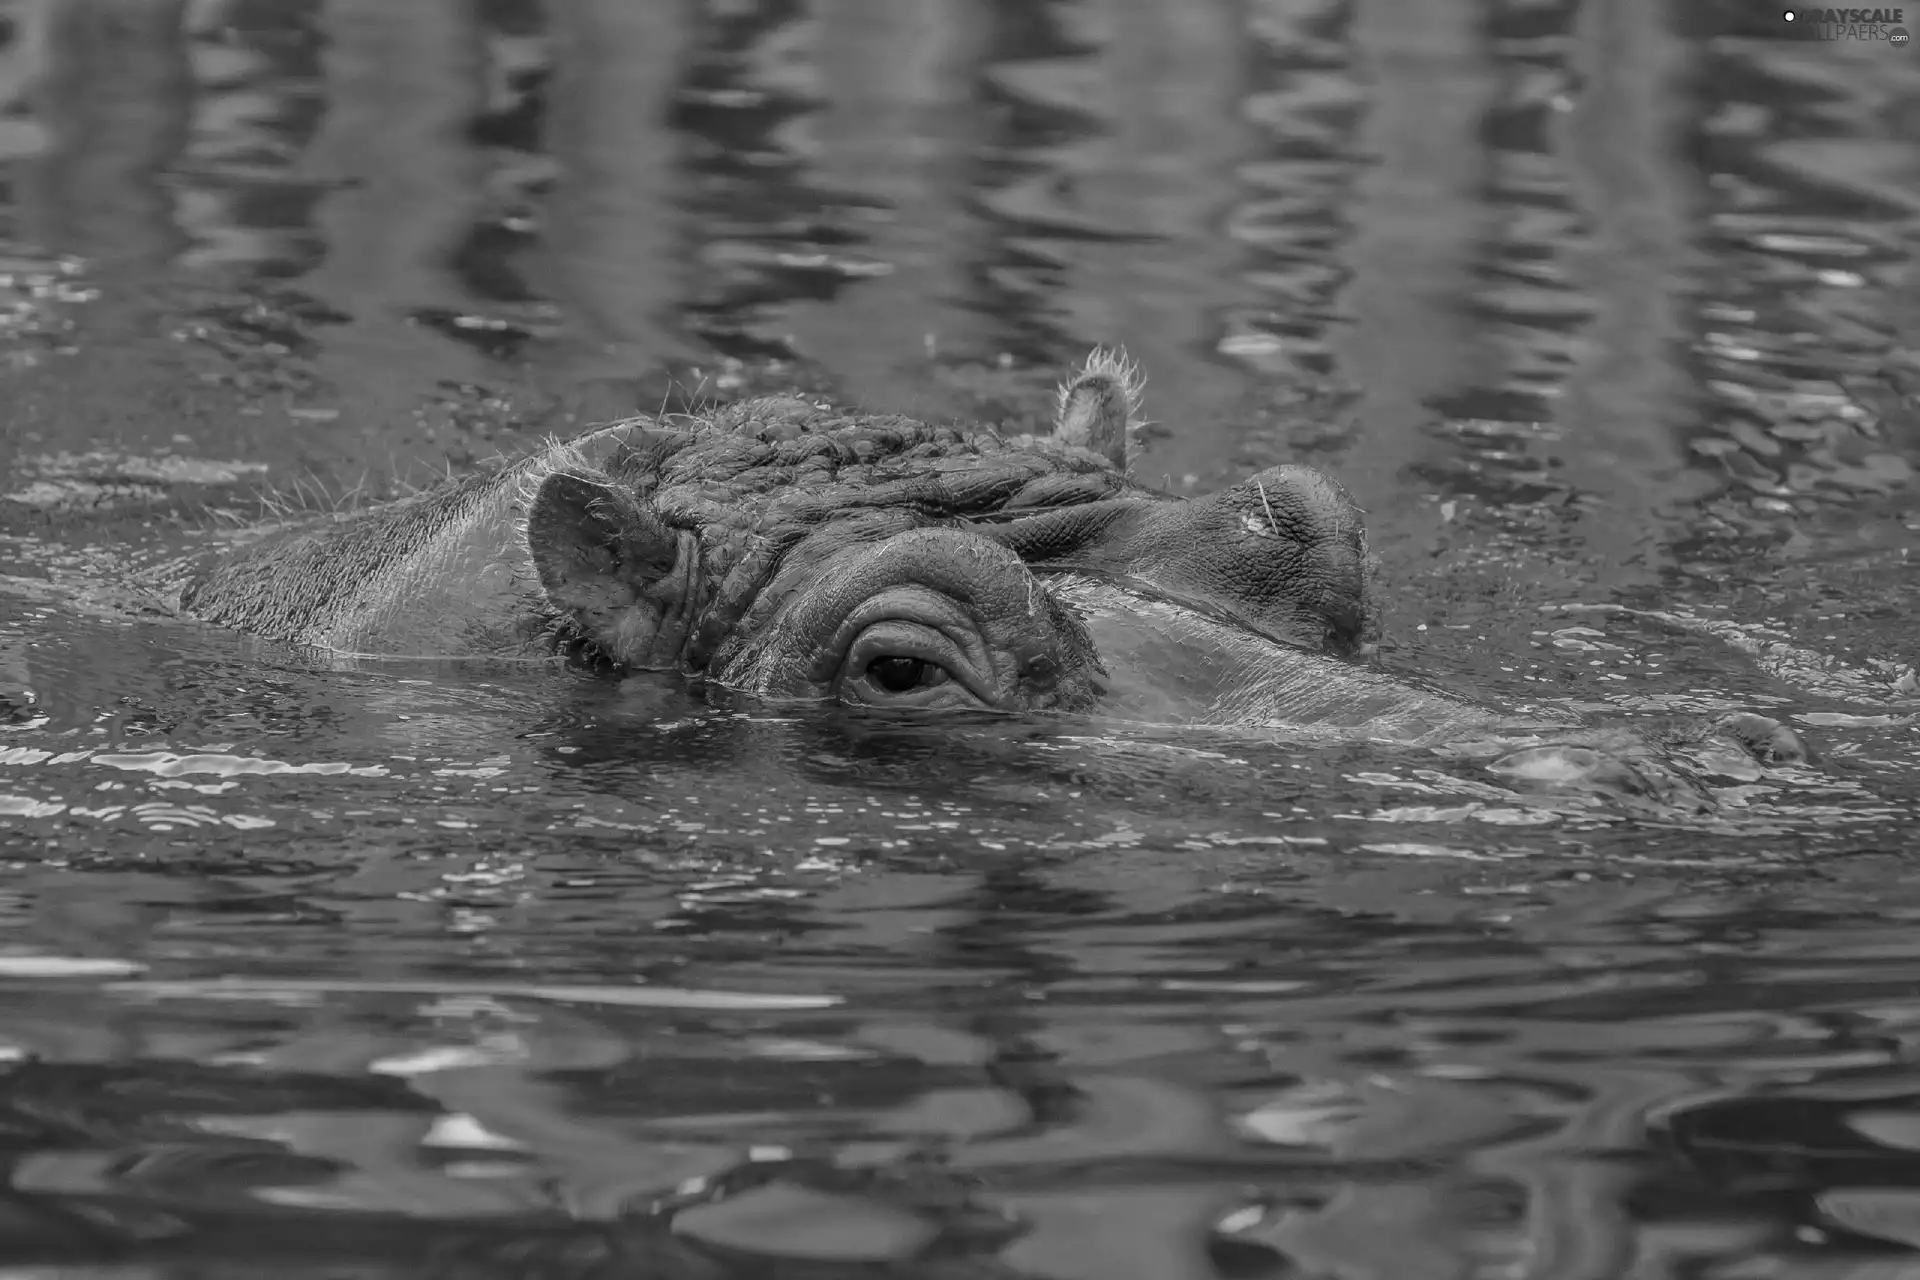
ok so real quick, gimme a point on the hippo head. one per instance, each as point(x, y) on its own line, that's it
point(795, 551)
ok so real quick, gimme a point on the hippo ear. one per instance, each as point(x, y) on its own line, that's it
point(597, 550)
point(1097, 405)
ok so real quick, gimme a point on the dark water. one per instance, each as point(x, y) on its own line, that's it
point(1609, 313)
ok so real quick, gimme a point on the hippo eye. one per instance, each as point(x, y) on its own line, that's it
point(902, 664)
point(899, 674)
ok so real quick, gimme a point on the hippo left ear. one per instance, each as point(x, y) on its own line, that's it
point(598, 552)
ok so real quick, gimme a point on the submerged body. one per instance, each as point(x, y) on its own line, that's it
point(796, 552)
point(443, 574)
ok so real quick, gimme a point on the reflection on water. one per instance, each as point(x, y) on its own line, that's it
point(1607, 313)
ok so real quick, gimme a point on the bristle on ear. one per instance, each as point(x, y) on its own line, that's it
point(1115, 365)
point(554, 457)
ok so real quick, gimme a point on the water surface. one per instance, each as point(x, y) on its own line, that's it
point(1607, 313)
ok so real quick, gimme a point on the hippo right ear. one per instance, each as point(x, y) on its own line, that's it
point(597, 552)
point(1098, 406)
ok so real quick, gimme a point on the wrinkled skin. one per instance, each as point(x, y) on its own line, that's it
point(796, 552)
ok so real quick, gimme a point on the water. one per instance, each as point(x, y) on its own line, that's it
point(1606, 312)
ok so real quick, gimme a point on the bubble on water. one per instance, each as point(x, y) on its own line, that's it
point(798, 1222)
point(165, 817)
point(307, 991)
point(12, 806)
point(1423, 813)
point(1887, 1213)
point(46, 966)
point(443, 1058)
point(169, 765)
point(467, 1132)
point(1416, 849)
point(97, 479)
point(1506, 817)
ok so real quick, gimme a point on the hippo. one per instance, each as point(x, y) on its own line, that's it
point(792, 551)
